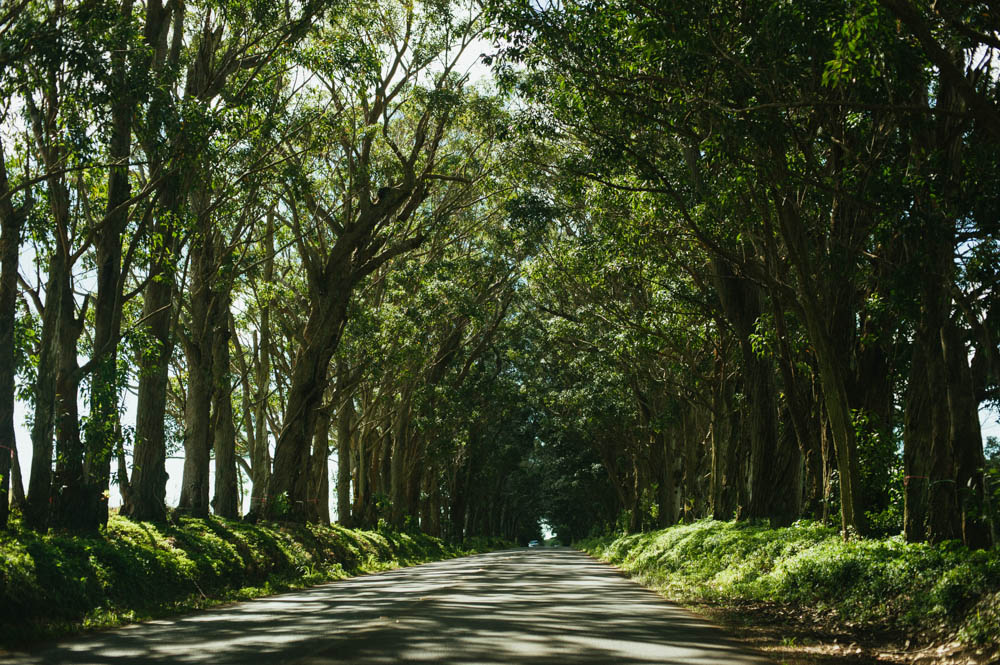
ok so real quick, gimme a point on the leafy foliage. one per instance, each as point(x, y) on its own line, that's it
point(58, 583)
point(932, 591)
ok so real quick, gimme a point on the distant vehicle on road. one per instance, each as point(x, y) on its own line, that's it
point(534, 543)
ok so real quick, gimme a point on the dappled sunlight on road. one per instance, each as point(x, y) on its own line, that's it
point(517, 606)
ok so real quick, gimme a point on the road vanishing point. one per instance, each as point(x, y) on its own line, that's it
point(542, 605)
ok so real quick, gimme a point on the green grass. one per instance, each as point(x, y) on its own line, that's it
point(938, 591)
point(57, 584)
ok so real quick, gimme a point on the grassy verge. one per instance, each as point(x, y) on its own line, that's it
point(57, 584)
point(919, 592)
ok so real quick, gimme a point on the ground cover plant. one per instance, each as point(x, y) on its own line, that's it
point(926, 593)
point(58, 583)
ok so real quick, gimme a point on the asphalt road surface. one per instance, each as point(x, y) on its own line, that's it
point(537, 605)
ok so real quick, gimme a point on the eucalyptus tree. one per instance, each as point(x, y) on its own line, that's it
point(13, 213)
point(65, 85)
point(397, 170)
point(749, 140)
point(207, 62)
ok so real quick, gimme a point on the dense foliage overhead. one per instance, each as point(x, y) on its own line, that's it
point(656, 263)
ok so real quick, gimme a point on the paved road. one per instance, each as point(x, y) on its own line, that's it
point(553, 606)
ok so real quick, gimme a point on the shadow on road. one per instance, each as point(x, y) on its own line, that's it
point(516, 606)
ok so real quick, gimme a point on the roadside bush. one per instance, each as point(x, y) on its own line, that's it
point(939, 591)
point(58, 583)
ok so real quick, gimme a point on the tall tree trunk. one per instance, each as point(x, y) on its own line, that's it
point(36, 512)
point(822, 319)
point(226, 501)
point(198, 351)
point(917, 434)
point(11, 223)
point(147, 499)
point(966, 439)
point(769, 489)
point(723, 440)
point(400, 453)
point(345, 418)
point(318, 501)
point(197, 433)
point(260, 456)
point(69, 502)
point(103, 424)
point(288, 487)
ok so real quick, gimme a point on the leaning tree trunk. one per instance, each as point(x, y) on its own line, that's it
point(288, 486)
point(817, 297)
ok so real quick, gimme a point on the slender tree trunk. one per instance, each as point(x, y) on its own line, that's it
point(261, 453)
point(198, 351)
point(17, 482)
point(723, 440)
point(103, 424)
point(831, 361)
point(11, 222)
point(345, 418)
point(434, 501)
point(226, 501)
point(197, 434)
point(967, 441)
point(147, 500)
point(36, 513)
point(318, 501)
point(69, 502)
point(400, 454)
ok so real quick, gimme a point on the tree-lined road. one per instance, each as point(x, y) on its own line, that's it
point(515, 606)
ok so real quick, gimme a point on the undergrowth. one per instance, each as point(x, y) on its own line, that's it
point(929, 592)
point(60, 583)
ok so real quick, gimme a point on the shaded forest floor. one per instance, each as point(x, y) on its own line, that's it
point(804, 597)
point(59, 584)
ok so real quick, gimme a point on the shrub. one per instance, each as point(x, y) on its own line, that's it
point(880, 583)
point(58, 583)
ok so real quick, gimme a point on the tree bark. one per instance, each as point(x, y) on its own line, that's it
point(70, 501)
point(103, 424)
point(345, 418)
point(822, 320)
point(197, 433)
point(260, 456)
point(11, 223)
point(226, 501)
point(966, 439)
point(147, 500)
point(198, 351)
point(37, 506)
point(318, 501)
